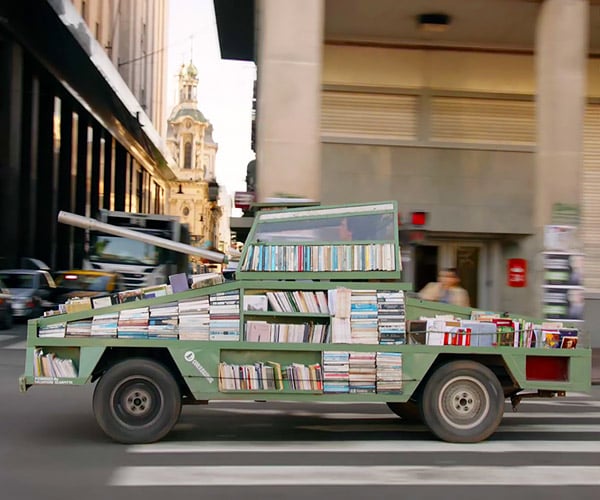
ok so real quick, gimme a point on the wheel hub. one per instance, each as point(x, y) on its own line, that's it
point(463, 403)
point(136, 401)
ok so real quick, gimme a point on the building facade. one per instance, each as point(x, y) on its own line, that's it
point(74, 137)
point(133, 34)
point(485, 119)
point(194, 195)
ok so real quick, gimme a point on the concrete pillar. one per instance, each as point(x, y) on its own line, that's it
point(561, 59)
point(561, 62)
point(290, 43)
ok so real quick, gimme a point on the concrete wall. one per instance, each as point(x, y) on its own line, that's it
point(463, 190)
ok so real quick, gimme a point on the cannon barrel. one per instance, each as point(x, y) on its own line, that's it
point(95, 225)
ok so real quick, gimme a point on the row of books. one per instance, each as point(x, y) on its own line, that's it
point(340, 372)
point(288, 301)
point(177, 283)
point(319, 258)
point(359, 372)
point(260, 376)
point(490, 331)
point(262, 331)
point(203, 318)
point(52, 366)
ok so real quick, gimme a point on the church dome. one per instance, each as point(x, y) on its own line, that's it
point(192, 71)
point(194, 114)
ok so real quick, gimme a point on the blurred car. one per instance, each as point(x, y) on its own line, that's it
point(32, 291)
point(86, 283)
point(6, 314)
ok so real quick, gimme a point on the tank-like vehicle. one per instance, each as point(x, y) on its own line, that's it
point(317, 312)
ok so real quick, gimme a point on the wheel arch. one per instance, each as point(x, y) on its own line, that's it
point(114, 355)
point(495, 362)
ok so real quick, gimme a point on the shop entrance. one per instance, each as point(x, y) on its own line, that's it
point(429, 259)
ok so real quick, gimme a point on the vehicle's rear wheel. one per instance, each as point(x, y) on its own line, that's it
point(409, 412)
point(463, 402)
point(137, 401)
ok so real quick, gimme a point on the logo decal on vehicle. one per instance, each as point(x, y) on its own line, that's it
point(190, 357)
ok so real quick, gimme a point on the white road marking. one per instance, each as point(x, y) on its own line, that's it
point(387, 446)
point(16, 345)
point(178, 475)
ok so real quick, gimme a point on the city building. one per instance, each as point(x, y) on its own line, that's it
point(133, 34)
point(194, 194)
point(479, 118)
point(74, 135)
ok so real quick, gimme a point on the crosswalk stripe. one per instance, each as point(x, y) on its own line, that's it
point(386, 415)
point(362, 427)
point(365, 447)
point(16, 345)
point(354, 475)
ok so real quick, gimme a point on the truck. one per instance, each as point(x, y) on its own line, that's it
point(309, 317)
point(140, 264)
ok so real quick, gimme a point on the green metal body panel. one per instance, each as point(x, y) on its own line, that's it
point(198, 361)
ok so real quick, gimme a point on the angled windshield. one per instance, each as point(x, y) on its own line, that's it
point(124, 251)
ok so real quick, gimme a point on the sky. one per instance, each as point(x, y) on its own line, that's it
point(224, 87)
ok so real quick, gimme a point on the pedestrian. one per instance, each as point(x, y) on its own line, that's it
point(447, 289)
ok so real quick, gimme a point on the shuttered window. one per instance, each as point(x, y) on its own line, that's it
point(477, 120)
point(590, 210)
point(366, 115)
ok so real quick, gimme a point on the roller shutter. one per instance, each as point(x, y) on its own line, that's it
point(590, 220)
point(369, 115)
point(477, 120)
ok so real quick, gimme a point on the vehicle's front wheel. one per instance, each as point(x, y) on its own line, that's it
point(137, 401)
point(463, 402)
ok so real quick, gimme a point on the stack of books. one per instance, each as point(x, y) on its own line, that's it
point(336, 367)
point(225, 316)
point(363, 317)
point(133, 323)
point(80, 328)
point(52, 331)
point(105, 325)
point(362, 373)
point(163, 321)
point(193, 318)
point(389, 372)
point(391, 317)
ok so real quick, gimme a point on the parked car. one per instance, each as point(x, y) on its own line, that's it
point(6, 314)
point(32, 290)
point(86, 283)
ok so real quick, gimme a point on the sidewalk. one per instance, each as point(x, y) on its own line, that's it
point(596, 366)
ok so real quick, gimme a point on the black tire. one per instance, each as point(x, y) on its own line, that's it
point(409, 412)
point(463, 402)
point(137, 401)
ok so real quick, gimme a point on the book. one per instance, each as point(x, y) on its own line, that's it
point(255, 303)
point(258, 331)
point(179, 282)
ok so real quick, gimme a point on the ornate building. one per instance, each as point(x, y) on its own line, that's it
point(194, 195)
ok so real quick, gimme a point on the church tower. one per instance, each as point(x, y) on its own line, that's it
point(194, 195)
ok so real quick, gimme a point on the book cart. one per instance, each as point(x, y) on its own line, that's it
point(317, 312)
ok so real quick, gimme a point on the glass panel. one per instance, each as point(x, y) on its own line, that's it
point(355, 228)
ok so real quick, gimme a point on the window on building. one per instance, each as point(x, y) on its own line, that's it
point(187, 155)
